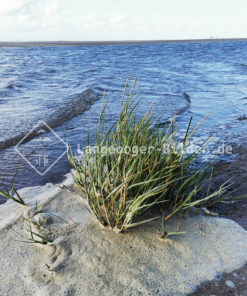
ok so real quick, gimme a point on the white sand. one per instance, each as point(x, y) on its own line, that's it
point(89, 260)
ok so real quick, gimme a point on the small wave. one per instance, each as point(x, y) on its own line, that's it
point(242, 65)
point(99, 89)
point(91, 70)
point(3, 96)
point(170, 94)
point(182, 103)
point(72, 107)
point(51, 71)
point(13, 86)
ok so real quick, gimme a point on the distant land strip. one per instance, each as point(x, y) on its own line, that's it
point(98, 43)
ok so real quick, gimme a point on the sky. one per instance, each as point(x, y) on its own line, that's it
point(102, 20)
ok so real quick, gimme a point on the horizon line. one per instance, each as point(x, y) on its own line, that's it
point(111, 42)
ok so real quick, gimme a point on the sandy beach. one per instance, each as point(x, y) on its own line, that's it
point(88, 259)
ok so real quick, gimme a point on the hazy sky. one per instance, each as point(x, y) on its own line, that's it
point(121, 19)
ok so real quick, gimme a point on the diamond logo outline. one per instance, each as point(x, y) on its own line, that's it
point(41, 123)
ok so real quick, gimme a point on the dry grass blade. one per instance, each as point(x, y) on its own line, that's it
point(38, 238)
point(8, 193)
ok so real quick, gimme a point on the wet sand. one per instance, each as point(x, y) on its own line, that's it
point(236, 170)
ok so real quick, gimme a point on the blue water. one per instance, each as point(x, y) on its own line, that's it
point(35, 83)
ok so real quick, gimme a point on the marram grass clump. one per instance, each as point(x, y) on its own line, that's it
point(138, 166)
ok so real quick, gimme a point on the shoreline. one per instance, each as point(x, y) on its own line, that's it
point(58, 178)
point(104, 43)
